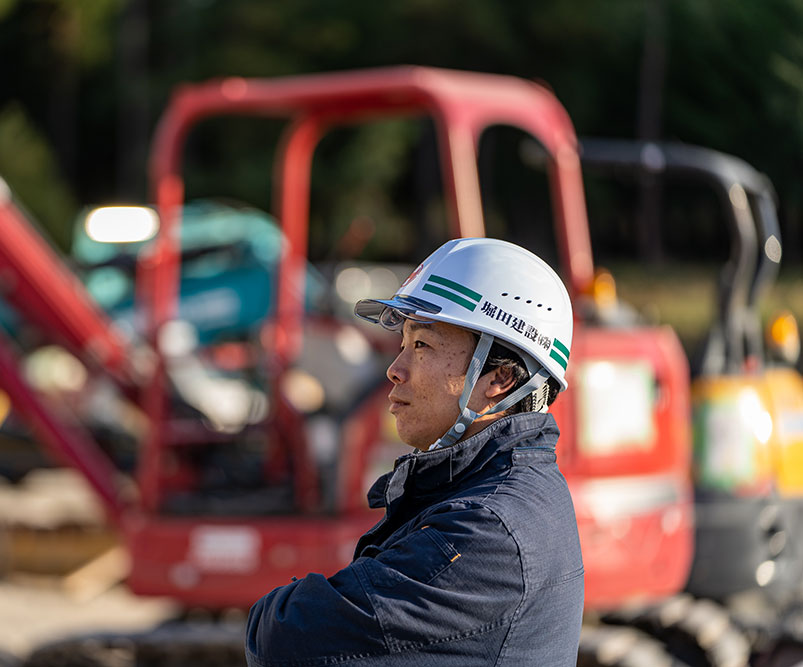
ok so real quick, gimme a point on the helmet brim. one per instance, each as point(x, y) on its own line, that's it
point(372, 309)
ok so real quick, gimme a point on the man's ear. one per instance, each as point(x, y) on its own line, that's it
point(501, 382)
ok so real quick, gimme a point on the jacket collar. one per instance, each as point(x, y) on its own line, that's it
point(421, 472)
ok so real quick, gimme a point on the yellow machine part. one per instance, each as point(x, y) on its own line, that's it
point(5, 406)
point(732, 433)
point(784, 389)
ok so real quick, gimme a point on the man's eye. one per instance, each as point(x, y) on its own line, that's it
point(419, 343)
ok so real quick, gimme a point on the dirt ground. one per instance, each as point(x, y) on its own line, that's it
point(34, 610)
point(61, 567)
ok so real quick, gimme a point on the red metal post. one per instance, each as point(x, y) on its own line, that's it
point(65, 439)
point(294, 167)
point(37, 283)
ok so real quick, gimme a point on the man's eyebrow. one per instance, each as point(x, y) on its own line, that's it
point(415, 326)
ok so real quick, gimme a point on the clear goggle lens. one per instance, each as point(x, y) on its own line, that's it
point(393, 319)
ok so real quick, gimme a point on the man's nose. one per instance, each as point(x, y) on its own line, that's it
point(397, 371)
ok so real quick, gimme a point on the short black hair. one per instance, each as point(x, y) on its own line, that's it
point(500, 356)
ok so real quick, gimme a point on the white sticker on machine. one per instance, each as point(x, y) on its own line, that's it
point(225, 549)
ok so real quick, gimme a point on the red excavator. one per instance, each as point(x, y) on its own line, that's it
point(216, 513)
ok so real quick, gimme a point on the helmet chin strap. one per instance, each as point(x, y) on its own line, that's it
point(468, 416)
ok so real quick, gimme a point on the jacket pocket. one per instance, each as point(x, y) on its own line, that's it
point(421, 556)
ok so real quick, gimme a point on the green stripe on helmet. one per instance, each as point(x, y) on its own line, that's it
point(561, 347)
point(457, 287)
point(459, 300)
point(559, 358)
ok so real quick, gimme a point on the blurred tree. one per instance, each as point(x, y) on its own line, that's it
point(6, 6)
point(93, 75)
point(53, 43)
point(29, 167)
point(735, 83)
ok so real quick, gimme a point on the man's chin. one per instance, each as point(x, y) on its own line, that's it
point(411, 439)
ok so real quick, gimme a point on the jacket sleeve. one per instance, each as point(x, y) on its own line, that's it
point(454, 573)
point(311, 619)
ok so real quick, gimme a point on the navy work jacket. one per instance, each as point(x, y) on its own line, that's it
point(476, 562)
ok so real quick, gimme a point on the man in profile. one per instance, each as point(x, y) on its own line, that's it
point(477, 559)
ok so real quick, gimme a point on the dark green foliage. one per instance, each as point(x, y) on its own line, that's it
point(85, 73)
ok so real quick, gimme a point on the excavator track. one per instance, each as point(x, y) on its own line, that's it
point(784, 647)
point(698, 633)
point(8, 660)
point(621, 646)
point(174, 644)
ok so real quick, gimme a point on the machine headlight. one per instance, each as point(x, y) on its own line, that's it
point(122, 224)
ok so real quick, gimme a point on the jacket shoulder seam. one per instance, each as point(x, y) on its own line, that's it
point(525, 584)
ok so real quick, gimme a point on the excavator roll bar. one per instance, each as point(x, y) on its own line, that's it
point(755, 253)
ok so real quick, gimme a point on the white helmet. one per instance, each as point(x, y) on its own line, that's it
point(497, 289)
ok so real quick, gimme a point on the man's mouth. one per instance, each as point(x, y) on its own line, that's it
point(396, 404)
